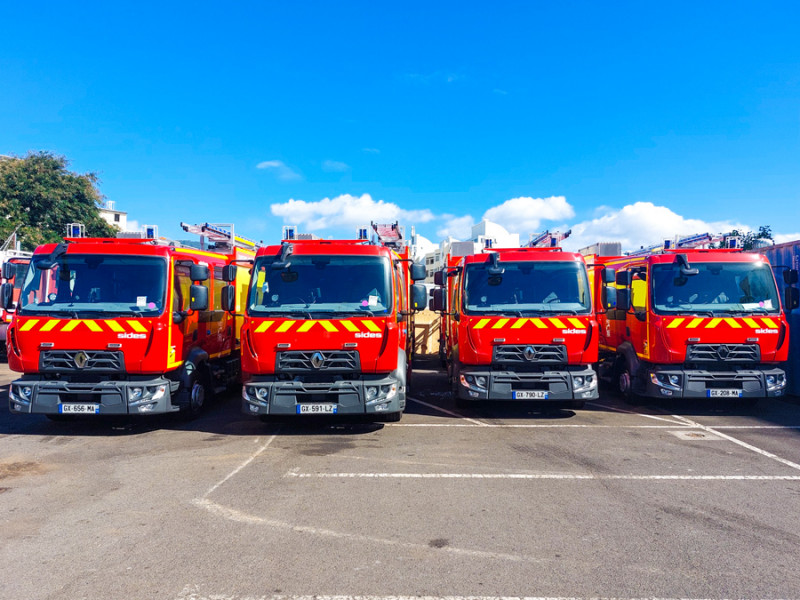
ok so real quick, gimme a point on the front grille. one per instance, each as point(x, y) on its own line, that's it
point(526, 354)
point(81, 361)
point(728, 353)
point(319, 361)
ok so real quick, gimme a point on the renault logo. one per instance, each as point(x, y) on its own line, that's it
point(723, 352)
point(81, 359)
point(317, 359)
point(529, 353)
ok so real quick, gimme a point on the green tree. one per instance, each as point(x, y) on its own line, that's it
point(42, 196)
point(750, 238)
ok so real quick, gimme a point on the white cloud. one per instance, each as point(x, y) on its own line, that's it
point(280, 169)
point(641, 224)
point(457, 227)
point(782, 238)
point(525, 215)
point(346, 211)
point(334, 166)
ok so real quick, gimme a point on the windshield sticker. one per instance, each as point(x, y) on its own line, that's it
point(756, 305)
point(373, 301)
point(141, 301)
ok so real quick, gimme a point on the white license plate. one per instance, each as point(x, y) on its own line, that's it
point(316, 409)
point(79, 409)
point(724, 393)
point(530, 395)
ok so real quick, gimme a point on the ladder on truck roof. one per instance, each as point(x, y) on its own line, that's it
point(389, 235)
point(222, 234)
point(697, 240)
point(547, 239)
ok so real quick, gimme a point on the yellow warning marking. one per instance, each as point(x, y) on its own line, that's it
point(264, 326)
point(733, 323)
point(770, 323)
point(71, 325)
point(92, 325)
point(713, 323)
point(539, 323)
point(558, 323)
point(694, 323)
point(136, 326)
point(285, 326)
point(500, 323)
point(481, 324)
point(675, 322)
point(349, 325)
point(370, 325)
point(576, 323)
point(114, 326)
point(29, 324)
point(329, 326)
point(306, 326)
point(751, 322)
point(519, 323)
point(49, 325)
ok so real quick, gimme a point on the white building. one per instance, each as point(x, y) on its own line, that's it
point(485, 234)
point(117, 218)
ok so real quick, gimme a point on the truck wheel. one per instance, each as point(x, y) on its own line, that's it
point(625, 386)
point(197, 396)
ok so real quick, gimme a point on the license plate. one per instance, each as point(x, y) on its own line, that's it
point(530, 395)
point(724, 393)
point(79, 409)
point(316, 409)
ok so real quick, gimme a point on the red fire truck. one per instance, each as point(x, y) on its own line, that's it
point(124, 326)
point(685, 322)
point(518, 324)
point(328, 328)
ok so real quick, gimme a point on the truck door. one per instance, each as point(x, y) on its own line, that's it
point(184, 334)
point(636, 319)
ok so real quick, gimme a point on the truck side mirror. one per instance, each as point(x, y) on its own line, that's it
point(608, 275)
point(9, 270)
point(623, 299)
point(7, 294)
point(229, 273)
point(790, 302)
point(438, 300)
point(438, 278)
point(623, 278)
point(609, 297)
point(199, 297)
point(418, 296)
point(789, 276)
point(229, 298)
point(198, 272)
point(418, 272)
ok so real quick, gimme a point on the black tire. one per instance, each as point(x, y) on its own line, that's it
point(625, 386)
point(197, 396)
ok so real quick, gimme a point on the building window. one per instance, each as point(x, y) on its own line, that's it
point(116, 218)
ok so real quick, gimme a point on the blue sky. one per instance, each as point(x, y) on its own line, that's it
point(627, 121)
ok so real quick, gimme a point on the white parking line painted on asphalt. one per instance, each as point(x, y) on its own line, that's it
point(738, 442)
point(543, 426)
point(241, 517)
point(192, 592)
point(542, 476)
point(240, 467)
point(449, 412)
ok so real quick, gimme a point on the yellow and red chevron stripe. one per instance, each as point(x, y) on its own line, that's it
point(713, 323)
point(96, 325)
point(539, 323)
point(344, 325)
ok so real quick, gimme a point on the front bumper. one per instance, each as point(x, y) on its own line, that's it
point(370, 394)
point(565, 383)
point(133, 396)
point(670, 382)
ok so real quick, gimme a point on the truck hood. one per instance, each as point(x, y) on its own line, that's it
point(577, 333)
point(34, 335)
point(678, 332)
point(374, 338)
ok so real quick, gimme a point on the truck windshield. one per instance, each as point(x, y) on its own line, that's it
point(717, 288)
point(77, 284)
point(322, 284)
point(527, 287)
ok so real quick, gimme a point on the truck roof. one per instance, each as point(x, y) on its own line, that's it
point(125, 246)
point(694, 255)
point(314, 247)
point(526, 254)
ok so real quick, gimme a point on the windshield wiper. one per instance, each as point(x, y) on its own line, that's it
point(299, 313)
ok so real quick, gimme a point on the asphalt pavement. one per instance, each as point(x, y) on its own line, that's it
point(658, 501)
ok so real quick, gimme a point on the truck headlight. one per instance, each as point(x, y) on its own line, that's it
point(390, 391)
point(670, 382)
point(581, 383)
point(372, 392)
point(776, 382)
point(135, 393)
point(25, 391)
